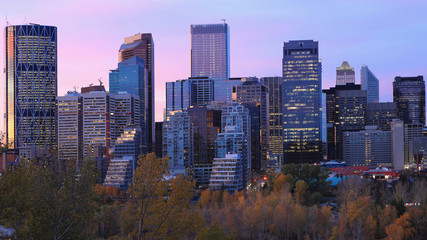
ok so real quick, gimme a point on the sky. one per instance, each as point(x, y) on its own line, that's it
point(387, 35)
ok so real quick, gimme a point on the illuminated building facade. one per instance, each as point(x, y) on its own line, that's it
point(31, 86)
point(210, 51)
point(369, 147)
point(381, 114)
point(301, 102)
point(410, 95)
point(342, 101)
point(275, 94)
point(70, 129)
point(370, 83)
point(142, 46)
point(98, 125)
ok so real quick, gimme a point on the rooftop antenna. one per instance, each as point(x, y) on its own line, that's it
point(100, 82)
point(25, 18)
point(7, 22)
point(90, 85)
point(223, 20)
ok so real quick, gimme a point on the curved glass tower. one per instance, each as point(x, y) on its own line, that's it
point(31, 85)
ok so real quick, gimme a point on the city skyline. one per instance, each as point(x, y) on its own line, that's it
point(391, 47)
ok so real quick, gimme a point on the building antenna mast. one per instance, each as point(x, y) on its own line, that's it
point(223, 20)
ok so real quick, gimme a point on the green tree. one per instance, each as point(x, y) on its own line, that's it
point(41, 204)
point(314, 175)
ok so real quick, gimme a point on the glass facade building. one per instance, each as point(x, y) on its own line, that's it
point(301, 102)
point(410, 95)
point(274, 85)
point(370, 83)
point(131, 77)
point(210, 51)
point(142, 46)
point(178, 95)
point(255, 97)
point(31, 85)
point(381, 114)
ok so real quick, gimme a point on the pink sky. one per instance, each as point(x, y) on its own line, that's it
point(388, 36)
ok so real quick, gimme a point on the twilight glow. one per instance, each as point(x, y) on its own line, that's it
point(388, 36)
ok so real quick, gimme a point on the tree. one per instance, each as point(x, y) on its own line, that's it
point(214, 232)
point(314, 175)
point(158, 206)
point(300, 191)
point(400, 229)
point(42, 204)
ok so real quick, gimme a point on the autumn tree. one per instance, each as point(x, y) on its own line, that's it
point(158, 206)
point(401, 229)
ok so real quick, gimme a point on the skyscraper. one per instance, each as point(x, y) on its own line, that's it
point(254, 96)
point(210, 51)
point(70, 129)
point(301, 102)
point(333, 117)
point(275, 93)
point(410, 95)
point(142, 45)
point(345, 74)
point(31, 85)
point(369, 83)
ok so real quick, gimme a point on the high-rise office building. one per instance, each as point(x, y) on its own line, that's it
point(412, 132)
point(30, 69)
point(98, 124)
point(206, 124)
point(345, 74)
point(275, 94)
point(178, 95)
point(351, 115)
point(381, 114)
point(410, 95)
point(210, 51)
point(131, 77)
point(70, 129)
point(370, 83)
point(397, 144)
point(142, 46)
point(254, 96)
point(345, 111)
point(369, 147)
point(301, 102)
